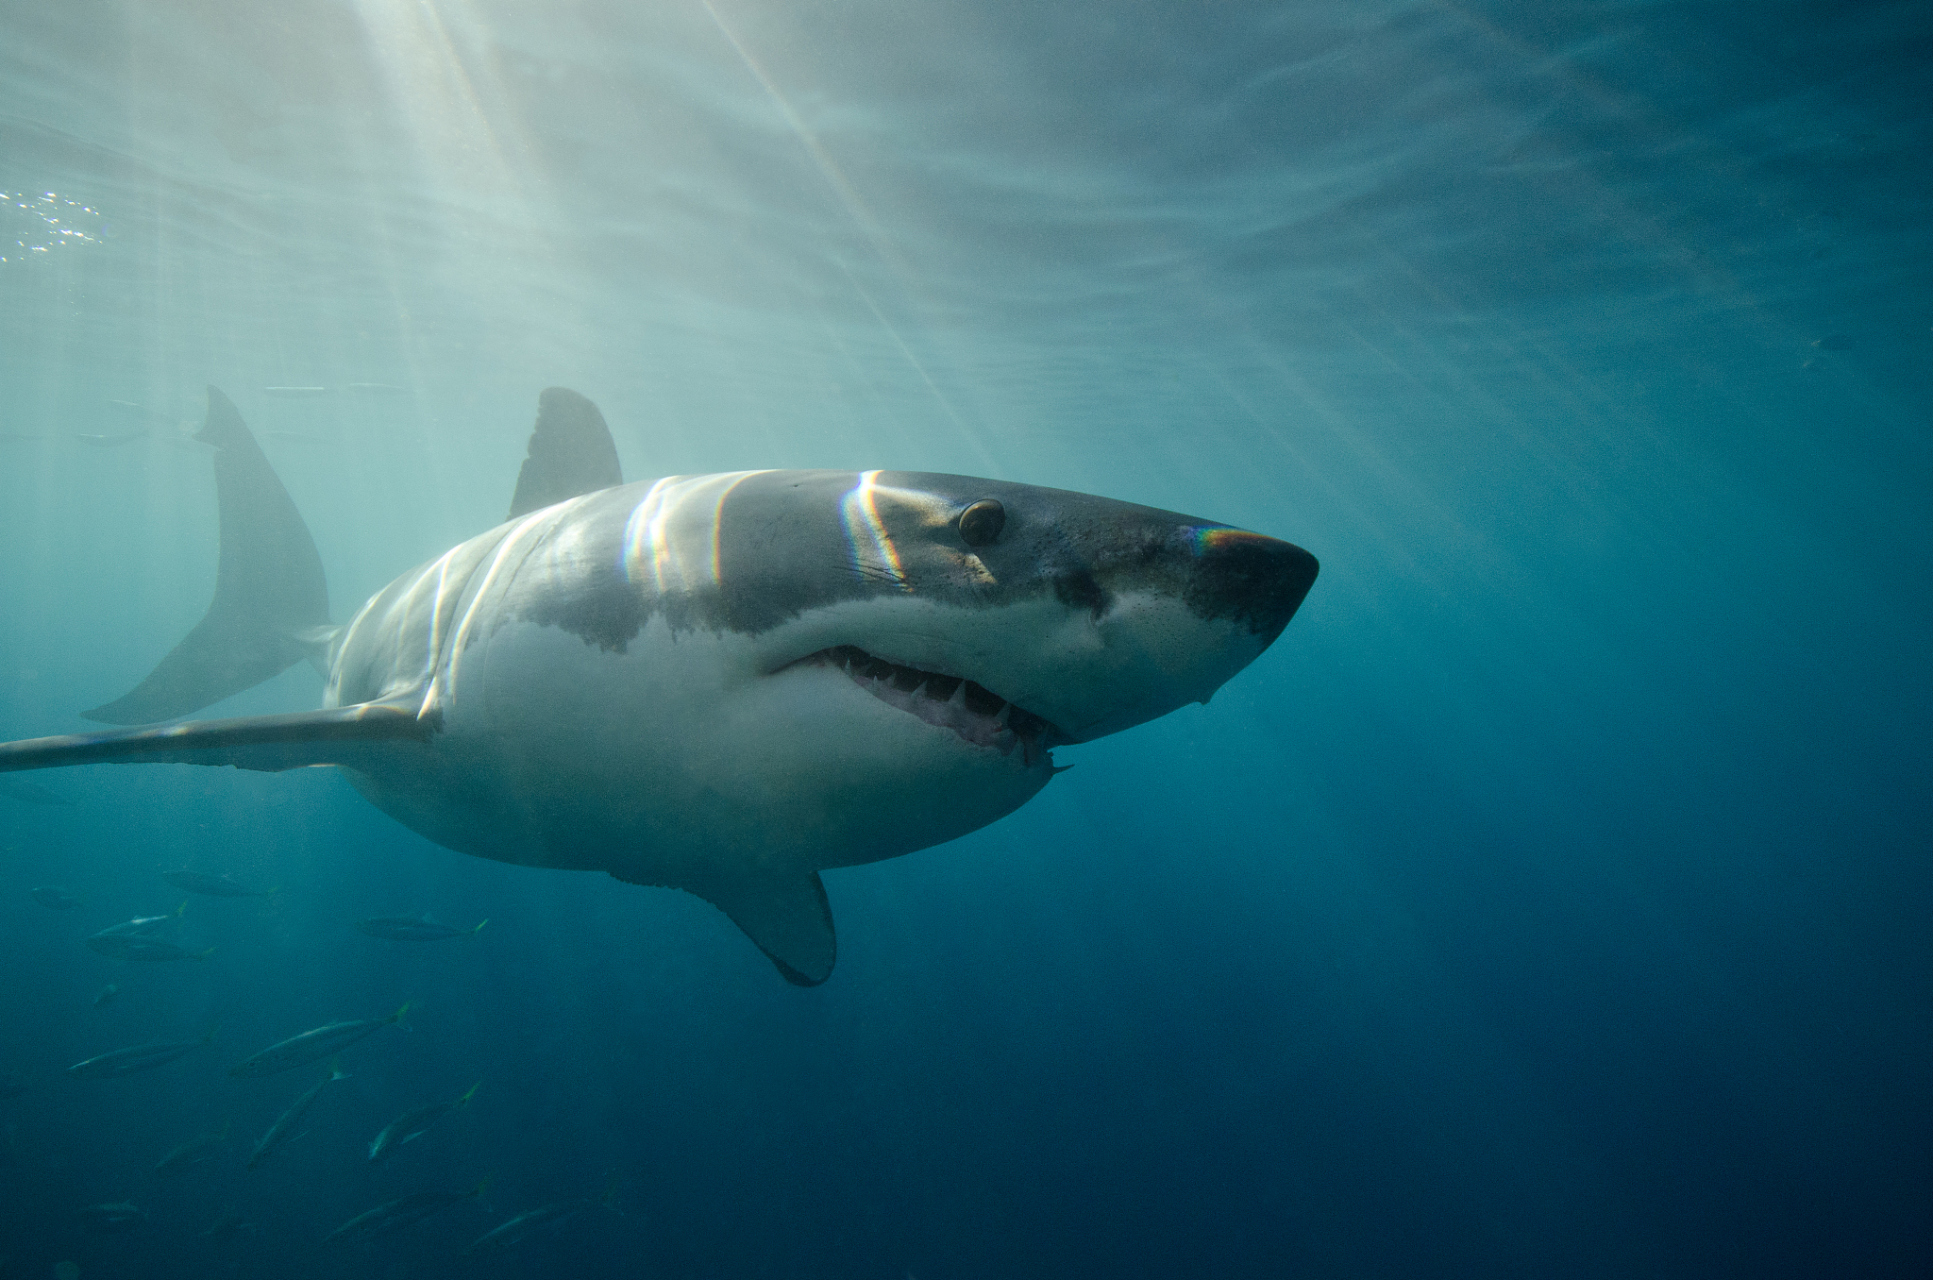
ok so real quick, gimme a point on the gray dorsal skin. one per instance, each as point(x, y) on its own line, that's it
point(268, 590)
point(724, 684)
point(571, 454)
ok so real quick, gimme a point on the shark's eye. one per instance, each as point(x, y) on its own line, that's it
point(980, 523)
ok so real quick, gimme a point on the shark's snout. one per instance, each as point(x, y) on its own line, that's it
point(1255, 580)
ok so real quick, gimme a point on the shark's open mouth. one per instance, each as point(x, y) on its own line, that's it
point(981, 717)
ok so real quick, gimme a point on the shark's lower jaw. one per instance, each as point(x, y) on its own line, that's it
point(977, 715)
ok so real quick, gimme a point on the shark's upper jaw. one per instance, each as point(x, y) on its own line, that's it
point(1053, 667)
point(969, 710)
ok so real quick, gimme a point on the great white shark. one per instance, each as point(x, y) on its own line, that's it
point(720, 683)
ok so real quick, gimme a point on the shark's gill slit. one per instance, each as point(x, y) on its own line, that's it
point(973, 711)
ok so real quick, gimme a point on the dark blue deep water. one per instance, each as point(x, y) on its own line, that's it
point(1552, 900)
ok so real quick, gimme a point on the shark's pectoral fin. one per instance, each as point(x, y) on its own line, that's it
point(785, 913)
point(353, 736)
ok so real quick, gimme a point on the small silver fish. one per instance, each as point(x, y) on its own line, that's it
point(311, 1045)
point(400, 1213)
point(134, 940)
point(133, 410)
point(283, 1129)
point(141, 947)
point(30, 792)
point(229, 1225)
point(515, 1230)
point(212, 884)
point(415, 928)
point(412, 1125)
point(113, 1218)
point(141, 924)
point(140, 1057)
point(203, 1146)
point(56, 898)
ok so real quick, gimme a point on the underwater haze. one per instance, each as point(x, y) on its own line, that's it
point(1551, 899)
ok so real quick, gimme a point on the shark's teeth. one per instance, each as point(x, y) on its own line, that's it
point(975, 713)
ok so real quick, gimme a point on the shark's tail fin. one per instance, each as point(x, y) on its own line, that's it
point(271, 604)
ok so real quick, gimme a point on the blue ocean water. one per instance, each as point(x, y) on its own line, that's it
point(1550, 900)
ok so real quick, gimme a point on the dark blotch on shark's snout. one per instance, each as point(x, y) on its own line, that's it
point(1255, 580)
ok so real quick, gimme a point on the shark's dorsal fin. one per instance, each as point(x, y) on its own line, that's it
point(269, 589)
point(784, 912)
point(570, 453)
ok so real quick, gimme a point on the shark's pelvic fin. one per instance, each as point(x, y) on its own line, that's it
point(269, 589)
point(785, 913)
point(570, 453)
point(787, 916)
point(336, 735)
